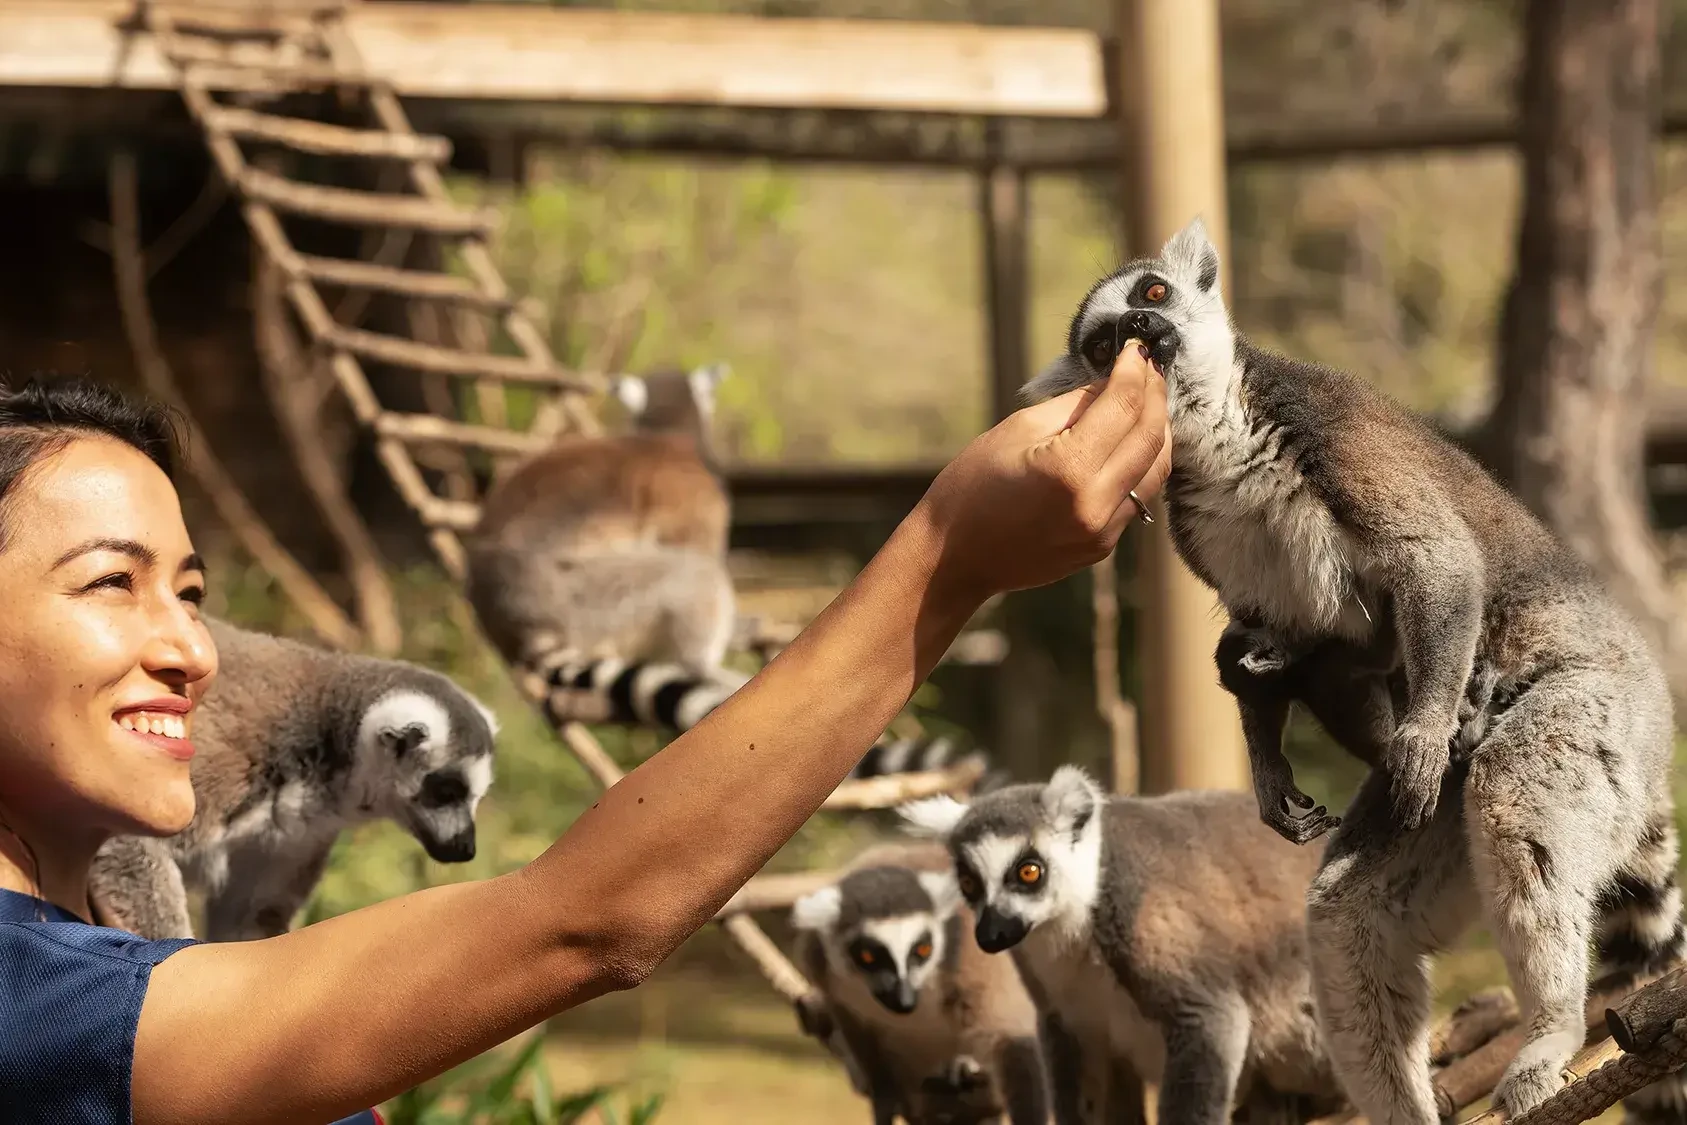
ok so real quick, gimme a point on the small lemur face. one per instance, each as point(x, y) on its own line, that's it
point(886, 925)
point(431, 760)
point(1172, 303)
point(1024, 856)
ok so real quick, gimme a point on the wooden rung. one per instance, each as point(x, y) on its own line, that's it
point(422, 284)
point(430, 428)
point(362, 207)
point(327, 140)
point(448, 361)
point(895, 788)
point(450, 515)
point(260, 77)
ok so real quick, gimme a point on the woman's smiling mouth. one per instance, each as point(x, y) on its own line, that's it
point(162, 723)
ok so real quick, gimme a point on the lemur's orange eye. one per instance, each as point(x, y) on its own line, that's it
point(1030, 873)
point(1156, 292)
point(865, 956)
point(923, 950)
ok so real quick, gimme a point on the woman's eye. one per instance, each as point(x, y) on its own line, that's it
point(193, 595)
point(120, 581)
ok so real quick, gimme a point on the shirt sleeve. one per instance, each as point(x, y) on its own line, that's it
point(70, 999)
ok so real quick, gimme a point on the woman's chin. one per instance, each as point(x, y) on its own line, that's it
point(167, 811)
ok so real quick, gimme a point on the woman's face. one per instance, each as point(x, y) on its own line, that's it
point(102, 652)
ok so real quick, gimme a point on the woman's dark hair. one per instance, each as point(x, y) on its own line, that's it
point(47, 413)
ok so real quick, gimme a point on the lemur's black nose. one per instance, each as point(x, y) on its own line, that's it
point(1152, 329)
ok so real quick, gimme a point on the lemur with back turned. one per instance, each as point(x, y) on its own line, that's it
point(600, 564)
point(1519, 727)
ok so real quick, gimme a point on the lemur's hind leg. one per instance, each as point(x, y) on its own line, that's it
point(1381, 902)
point(1554, 809)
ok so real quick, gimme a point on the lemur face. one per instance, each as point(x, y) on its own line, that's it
point(429, 762)
point(1025, 855)
point(886, 925)
point(1171, 302)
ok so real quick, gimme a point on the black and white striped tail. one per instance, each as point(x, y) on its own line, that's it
point(1643, 932)
point(662, 694)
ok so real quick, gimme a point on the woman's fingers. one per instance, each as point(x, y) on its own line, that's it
point(1141, 456)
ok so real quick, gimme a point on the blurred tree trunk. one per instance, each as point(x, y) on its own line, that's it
point(1577, 332)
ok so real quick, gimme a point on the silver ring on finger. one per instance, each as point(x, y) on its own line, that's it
point(1140, 506)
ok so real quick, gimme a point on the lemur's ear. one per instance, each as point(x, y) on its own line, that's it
point(817, 910)
point(1191, 253)
point(1070, 799)
point(631, 393)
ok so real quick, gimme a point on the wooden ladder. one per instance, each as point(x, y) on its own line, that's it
point(267, 49)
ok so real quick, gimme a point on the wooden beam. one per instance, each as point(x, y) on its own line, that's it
point(1002, 207)
point(538, 53)
point(1173, 147)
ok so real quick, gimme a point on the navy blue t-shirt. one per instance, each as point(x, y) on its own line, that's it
point(70, 997)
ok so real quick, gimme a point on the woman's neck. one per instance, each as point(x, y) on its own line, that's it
point(45, 866)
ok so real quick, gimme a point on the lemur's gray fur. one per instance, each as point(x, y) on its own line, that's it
point(136, 886)
point(939, 1033)
point(600, 562)
point(1161, 938)
point(296, 743)
point(1521, 728)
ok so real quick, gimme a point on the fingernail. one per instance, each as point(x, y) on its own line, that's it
point(1142, 351)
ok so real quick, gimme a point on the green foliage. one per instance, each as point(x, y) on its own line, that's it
point(516, 1093)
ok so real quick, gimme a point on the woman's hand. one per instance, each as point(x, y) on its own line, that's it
point(1045, 492)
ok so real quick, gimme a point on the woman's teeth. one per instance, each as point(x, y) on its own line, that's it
point(170, 726)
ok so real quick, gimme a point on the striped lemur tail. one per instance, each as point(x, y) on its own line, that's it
point(1642, 932)
point(665, 694)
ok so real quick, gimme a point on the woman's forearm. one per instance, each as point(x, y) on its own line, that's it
point(324, 1020)
point(665, 848)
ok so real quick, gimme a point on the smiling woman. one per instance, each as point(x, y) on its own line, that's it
point(104, 655)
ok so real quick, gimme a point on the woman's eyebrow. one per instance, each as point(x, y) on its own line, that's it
point(195, 561)
point(140, 552)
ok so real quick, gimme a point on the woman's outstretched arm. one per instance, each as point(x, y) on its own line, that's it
point(338, 1016)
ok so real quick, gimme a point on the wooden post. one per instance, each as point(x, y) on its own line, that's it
point(1173, 148)
point(1001, 212)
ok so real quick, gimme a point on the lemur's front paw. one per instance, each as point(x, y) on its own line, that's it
point(814, 1016)
point(1294, 816)
point(1416, 763)
point(964, 1072)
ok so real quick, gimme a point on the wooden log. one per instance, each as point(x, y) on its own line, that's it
point(448, 361)
point(1474, 1076)
point(363, 208)
point(1640, 1020)
point(327, 140)
point(421, 284)
point(1470, 1025)
point(1589, 1059)
point(274, 77)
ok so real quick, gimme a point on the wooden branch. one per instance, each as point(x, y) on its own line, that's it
point(363, 208)
point(1638, 1021)
point(785, 978)
point(286, 372)
point(776, 892)
point(1474, 1022)
point(329, 140)
point(1118, 713)
point(893, 789)
point(325, 618)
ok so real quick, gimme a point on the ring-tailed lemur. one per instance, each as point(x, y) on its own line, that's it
point(136, 886)
point(296, 743)
point(604, 550)
point(599, 567)
point(940, 1033)
point(1162, 938)
point(1317, 507)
